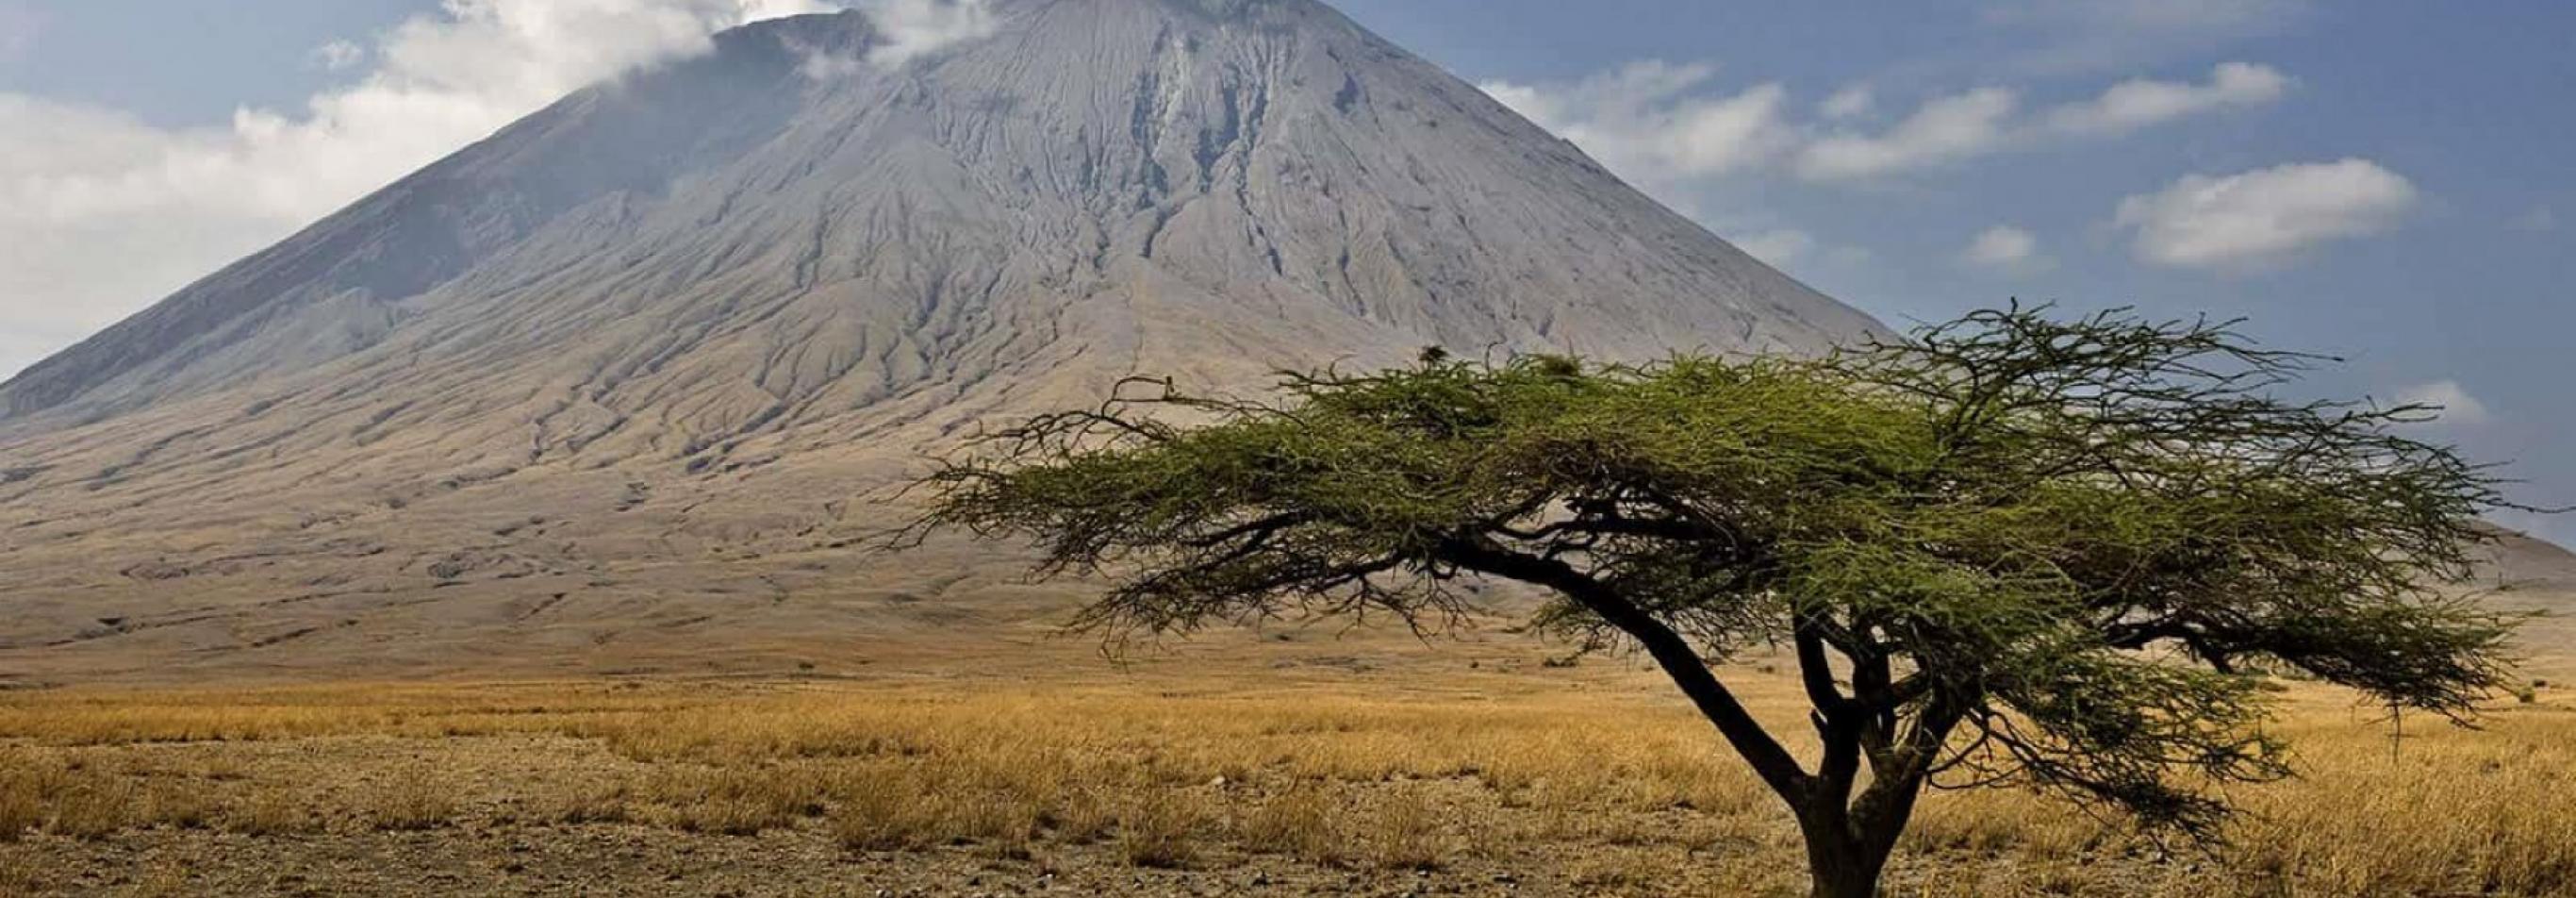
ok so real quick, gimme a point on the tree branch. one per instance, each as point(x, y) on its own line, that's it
point(1680, 661)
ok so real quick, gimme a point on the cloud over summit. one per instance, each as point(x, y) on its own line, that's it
point(102, 213)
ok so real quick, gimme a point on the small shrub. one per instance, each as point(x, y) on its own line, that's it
point(410, 801)
point(20, 811)
point(1300, 824)
point(28, 785)
point(182, 805)
point(879, 811)
point(271, 811)
point(584, 806)
point(1155, 829)
point(96, 810)
point(1405, 834)
point(739, 802)
point(1004, 823)
point(1084, 816)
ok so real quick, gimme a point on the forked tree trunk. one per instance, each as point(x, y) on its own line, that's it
point(1844, 870)
point(1846, 852)
point(1841, 861)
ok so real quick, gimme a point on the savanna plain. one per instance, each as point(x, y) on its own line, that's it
point(1243, 764)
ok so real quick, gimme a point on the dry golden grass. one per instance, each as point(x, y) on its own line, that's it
point(1611, 785)
point(17, 872)
point(1302, 822)
point(275, 811)
point(1160, 828)
point(23, 790)
point(410, 800)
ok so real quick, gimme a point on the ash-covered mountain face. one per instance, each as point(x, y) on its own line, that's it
point(1267, 158)
point(350, 280)
point(683, 322)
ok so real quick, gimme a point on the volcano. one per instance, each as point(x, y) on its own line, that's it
point(620, 384)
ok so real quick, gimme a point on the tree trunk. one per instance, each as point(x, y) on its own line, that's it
point(1841, 864)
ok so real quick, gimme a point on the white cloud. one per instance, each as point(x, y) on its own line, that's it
point(1850, 102)
point(1980, 122)
point(2540, 220)
point(917, 28)
point(1658, 123)
point(1642, 121)
point(101, 213)
point(2263, 218)
point(338, 55)
point(912, 29)
point(2138, 103)
point(1671, 128)
point(1946, 129)
point(2005, 248)
point(2454, 405)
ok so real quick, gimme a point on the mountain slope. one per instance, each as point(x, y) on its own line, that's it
point(2527, 575)
point(616, 382)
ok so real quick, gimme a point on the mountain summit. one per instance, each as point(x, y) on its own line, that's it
point(618, 371)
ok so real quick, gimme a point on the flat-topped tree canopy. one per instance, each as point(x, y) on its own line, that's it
point(2010, 550)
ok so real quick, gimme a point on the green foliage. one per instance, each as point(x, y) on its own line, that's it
point(2012, 549)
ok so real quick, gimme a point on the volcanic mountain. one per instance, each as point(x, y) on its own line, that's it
point(615, 383)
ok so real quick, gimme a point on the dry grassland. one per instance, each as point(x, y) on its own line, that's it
point(1535, 782)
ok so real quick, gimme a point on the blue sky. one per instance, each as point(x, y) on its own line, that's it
point(2384, 180)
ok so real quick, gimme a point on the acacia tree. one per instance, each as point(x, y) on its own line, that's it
point(2013, 550)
